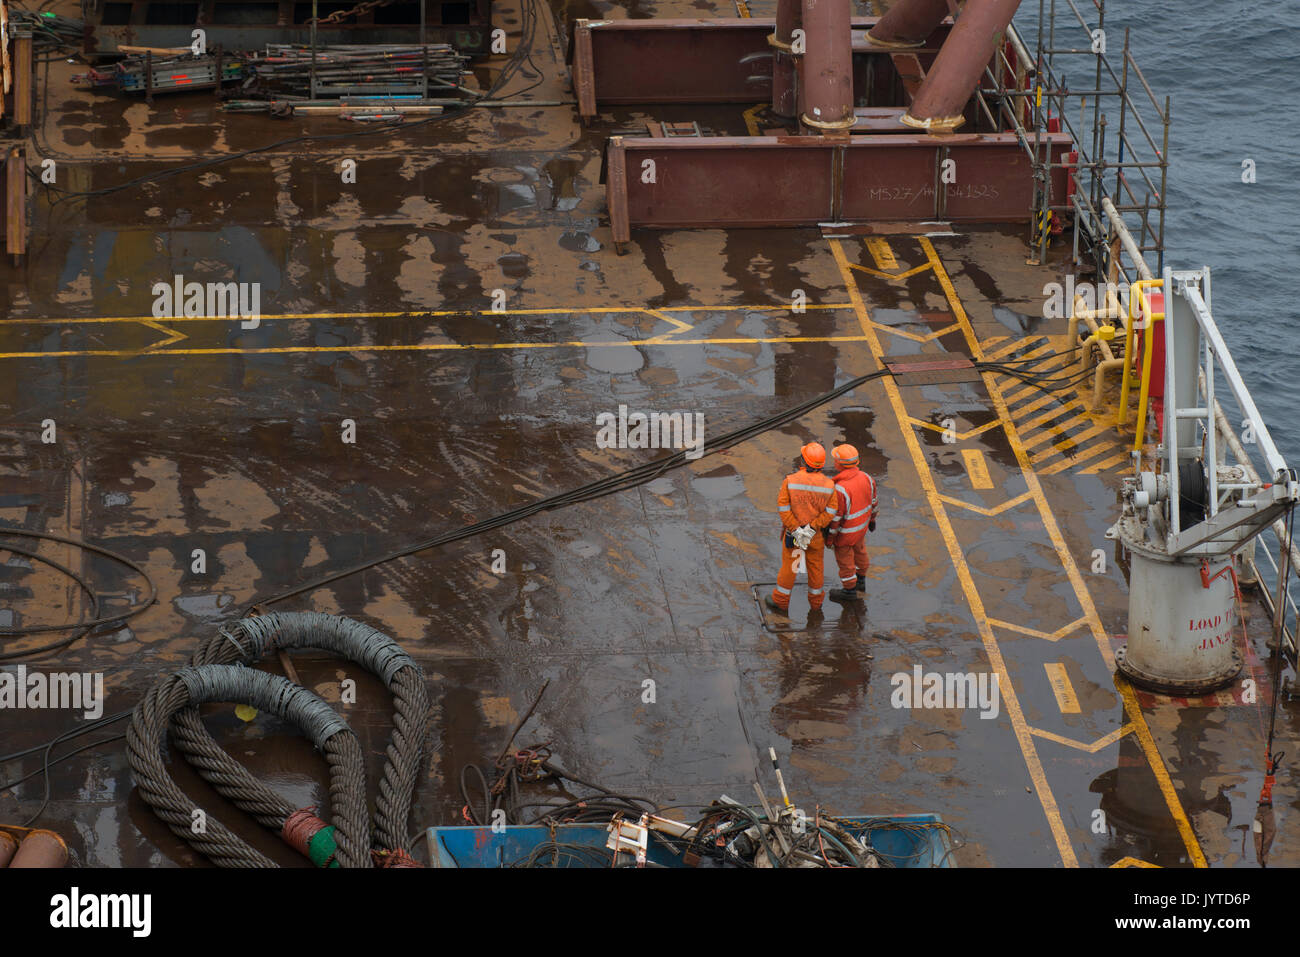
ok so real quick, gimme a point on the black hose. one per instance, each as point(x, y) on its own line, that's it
point(85, 625)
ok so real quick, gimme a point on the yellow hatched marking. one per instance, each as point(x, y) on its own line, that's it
point(1026, 427)
point(1109, 463)
point(1038, 403)
point(1038, 352)
point(1005, 349)
point(1024, 392)
point(1101, 448)
point(1133, 862)
point(1060, 437)
point(1070, 442)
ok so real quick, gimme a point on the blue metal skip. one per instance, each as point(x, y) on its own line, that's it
point(902, 840)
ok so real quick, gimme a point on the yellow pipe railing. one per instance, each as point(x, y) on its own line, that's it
point(1138, 301)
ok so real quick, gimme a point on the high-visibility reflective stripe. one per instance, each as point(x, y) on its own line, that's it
point(811, 488)
point(855, 528)
point(783, 508)
point(815, 591)
point(849, 582)
point(830, 509)
point(861, 511)
point(783, 591)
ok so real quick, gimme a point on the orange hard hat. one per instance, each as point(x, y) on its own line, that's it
point(845, 455)
point(814, 455)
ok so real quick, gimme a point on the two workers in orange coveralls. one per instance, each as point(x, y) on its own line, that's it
point(819, 512)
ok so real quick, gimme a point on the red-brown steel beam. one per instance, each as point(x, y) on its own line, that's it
point(908, 23)
point(711, 182)
point(827, 67)
point(979, 31)
point(620, 62)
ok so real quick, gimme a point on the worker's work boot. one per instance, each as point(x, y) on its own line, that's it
point(770, 602)
point(815, 618)
point(842, 595)
point(861, 587)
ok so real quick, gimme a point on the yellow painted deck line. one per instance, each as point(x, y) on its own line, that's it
point(1133, 862)
point(1131, 705)
point(986, 512)
point(1057, 677)
point(751, 117)
point(882, 253)
point(915, 336)
point(660, 314)
point(959, 436)
point(891, 276)
point(1016, 715)
point(1111, 462)
point(1091, 452)
point(977, 468)
point(1104, 741)
point(417, 314)
point(1035, 633)
point(172, 336)
point(417, 347)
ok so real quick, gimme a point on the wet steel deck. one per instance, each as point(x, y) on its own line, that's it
point(183, 434)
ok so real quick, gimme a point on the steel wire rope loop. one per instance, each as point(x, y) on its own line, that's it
point(248, 640)
point(206, 683)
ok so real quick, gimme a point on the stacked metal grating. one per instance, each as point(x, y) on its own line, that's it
point(357, 70)
point(163, 74)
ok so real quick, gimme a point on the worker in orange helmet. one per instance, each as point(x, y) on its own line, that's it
point(855, 515)
point(806, 505)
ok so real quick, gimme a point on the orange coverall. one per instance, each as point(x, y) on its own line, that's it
point(806, 498)
point(855, 508)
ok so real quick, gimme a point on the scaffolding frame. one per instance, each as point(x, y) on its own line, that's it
point(1030, 94)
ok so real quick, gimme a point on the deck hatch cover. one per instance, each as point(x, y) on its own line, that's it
point(930, 369)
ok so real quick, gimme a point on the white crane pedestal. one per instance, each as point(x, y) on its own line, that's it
point(1183, 621)
point(1185, 517)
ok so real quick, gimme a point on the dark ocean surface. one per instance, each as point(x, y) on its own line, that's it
point(1233, 72)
